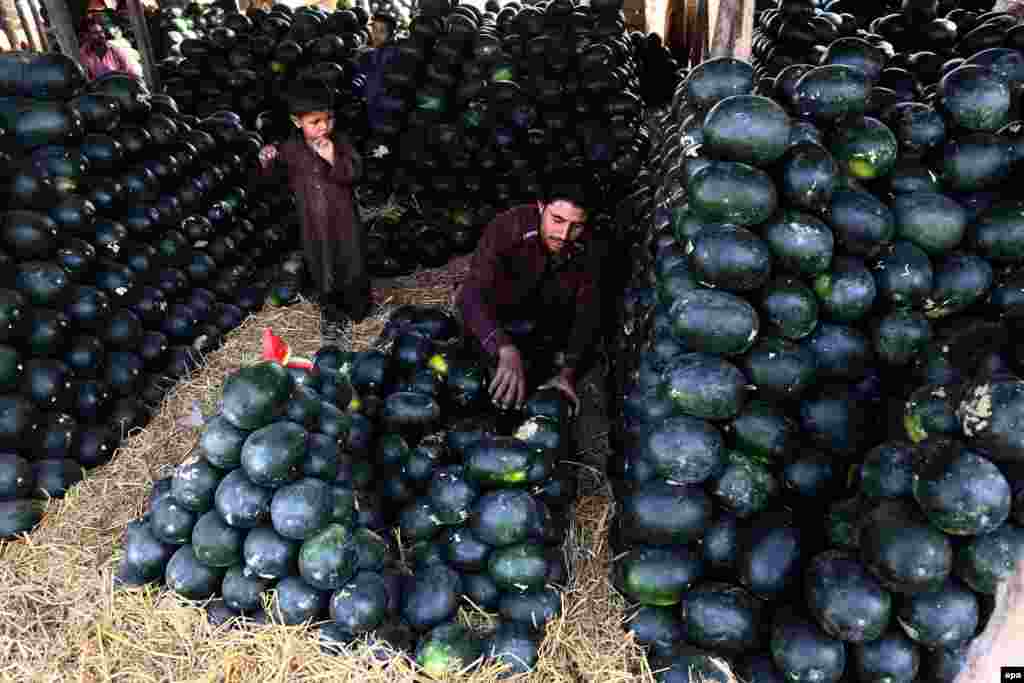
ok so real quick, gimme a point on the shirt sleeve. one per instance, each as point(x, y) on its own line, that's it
point(127, 62)
point(362, 67)
point(277, 170)
point(476, 301)
point(348, 164)
point(587, 323)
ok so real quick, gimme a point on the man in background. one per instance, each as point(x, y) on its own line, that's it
point(373, 63)
point(99, 54)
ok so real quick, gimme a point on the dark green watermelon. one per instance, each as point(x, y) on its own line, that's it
point(732, 192)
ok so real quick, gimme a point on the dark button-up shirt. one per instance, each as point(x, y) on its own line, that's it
point(512, 276)
point(373, 64)
point(331, 233)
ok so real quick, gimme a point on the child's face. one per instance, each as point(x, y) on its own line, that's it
point(314, 125)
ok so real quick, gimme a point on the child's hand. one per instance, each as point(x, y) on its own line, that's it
point(268, 154)
point(325, 148)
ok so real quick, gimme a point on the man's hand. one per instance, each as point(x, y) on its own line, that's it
point(565, 381)
point(267, 155)
point(325, 148)
point(508, 388)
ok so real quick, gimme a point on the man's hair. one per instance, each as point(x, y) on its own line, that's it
point(386, 18)
point(575, 191)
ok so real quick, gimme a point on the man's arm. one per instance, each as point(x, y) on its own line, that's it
point(127, 61)
point(476, 298)
point(587, 323)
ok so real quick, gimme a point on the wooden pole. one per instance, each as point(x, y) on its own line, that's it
point(141, 30)
point(9, 12)
point(40, 24)
point(29, 26)
point(63, 26)
point(697, 31)
point(732, 28)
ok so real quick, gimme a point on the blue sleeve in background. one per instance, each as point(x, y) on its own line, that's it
point(375, 65)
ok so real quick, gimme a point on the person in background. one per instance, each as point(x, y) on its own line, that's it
point(531, 300)
point(373, 63)
point(99, 55)
point(321, 166)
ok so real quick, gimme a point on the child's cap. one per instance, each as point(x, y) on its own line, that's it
point(309, 95)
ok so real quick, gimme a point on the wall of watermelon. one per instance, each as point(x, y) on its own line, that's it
point(817, 473)
point(477, 107)
point(131, 246)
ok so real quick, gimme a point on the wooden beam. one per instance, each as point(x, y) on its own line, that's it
point(28, 25)
point(732, 28)
point(141, 30)
point(63, 26)
point(9, 17)
point(698, 31)
point(40, 24)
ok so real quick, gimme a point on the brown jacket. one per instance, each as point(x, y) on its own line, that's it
point(513, 277)
point(333, 237)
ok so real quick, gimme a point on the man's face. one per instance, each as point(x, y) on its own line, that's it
point(561, 223)
point(95, 33)
point(380, 33)
point(315, 125)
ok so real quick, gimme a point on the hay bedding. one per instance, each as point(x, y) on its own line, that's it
point(62, 620)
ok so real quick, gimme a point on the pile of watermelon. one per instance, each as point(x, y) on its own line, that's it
point(373, 494)
point(130, 248)
point(819, 473)
point(243, 63)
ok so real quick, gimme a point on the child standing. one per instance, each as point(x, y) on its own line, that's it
point(321, 167)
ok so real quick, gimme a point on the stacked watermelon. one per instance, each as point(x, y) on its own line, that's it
point(263, 499)
point(293, 509)
point(486, 105)
point(243, 63)
point(130, 247)
point(819, 477)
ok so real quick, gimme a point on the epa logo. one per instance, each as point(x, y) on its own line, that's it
point(1012, 673)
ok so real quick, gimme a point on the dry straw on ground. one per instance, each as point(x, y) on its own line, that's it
point(62, 620)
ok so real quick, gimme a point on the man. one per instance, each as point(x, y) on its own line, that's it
point(373, 63)
point(532, 297)
point(100, 55)
point(383, 27)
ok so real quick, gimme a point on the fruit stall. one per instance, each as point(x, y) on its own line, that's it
point(800, 459)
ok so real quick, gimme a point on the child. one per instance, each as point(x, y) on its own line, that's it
point(322, 166)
